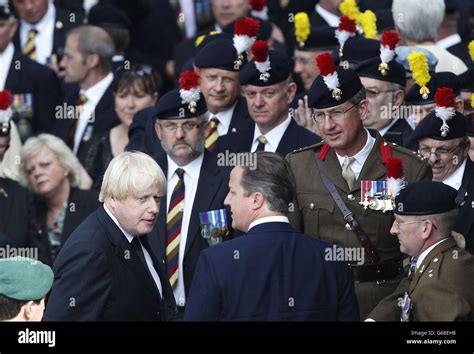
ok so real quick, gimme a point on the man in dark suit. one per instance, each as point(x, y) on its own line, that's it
point(273, 128)
point(264, 275)
point(385, 92)
point(50, 25)
point(440, 281)
point(451, 164)
point(35, 88)
point(326, 13)
point(89, 65)
point(196, 184)
point(106, 270)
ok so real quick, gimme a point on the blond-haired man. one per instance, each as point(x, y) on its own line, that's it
point(106, 271)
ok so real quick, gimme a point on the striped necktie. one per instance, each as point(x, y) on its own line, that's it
point(30, 47)
point(81, 101)
point(261, 143)
point(211, 139)
point(173, 229)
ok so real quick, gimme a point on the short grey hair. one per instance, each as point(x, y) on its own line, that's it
point(129, 173)
point(273, 178)
point(95, 40)
point(63, 153)
point(418, 20)
point(445, 222)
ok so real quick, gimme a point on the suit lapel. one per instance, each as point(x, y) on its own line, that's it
point(208, 184)
point(288, 139)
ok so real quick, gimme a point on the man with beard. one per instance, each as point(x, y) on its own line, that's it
point(195, 185)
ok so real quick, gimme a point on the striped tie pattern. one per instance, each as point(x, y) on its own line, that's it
point(261, 143)
point(30, 47)
point(81, 101)
point(211, 139)
point(173, 229)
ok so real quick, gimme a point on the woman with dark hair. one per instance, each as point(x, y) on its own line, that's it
point(135, 89)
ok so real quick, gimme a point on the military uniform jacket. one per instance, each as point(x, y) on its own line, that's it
point(465, 224)
point(440, 289)
point(315, 213)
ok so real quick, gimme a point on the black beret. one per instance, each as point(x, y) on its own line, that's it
point(466, 80)
point(370, 68)
point(280, 70)
point(171, 106)
point(218, 54)
point(438, 80)
point(5, 12)
point(425, 198)
point(470, 124)
point(384, 20)
point(358, 49)
point(430, 126)
point(320, 96)
point(107, 15)
point(320, 39)
point(210, 37)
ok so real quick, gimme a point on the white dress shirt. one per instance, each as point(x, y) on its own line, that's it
point(190, 26)
point(268, 219)
point(361, 156)
point(329, 17)
point(273, 136)
point(449, 41)
point(45, 35)
point(191, 177)
point(6, 58)
point(455, 179)
point(94, 95)
point(225, 118)
point(148, 259)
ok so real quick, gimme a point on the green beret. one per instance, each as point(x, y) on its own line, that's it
point(24, 279)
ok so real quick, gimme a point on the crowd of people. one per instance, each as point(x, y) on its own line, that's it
point(236, 160)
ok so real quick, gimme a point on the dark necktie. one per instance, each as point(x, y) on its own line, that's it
point(261, 143)
point(81, 101)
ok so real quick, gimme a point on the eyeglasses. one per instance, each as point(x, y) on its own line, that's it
point(303, 61)
point(441, 152)
point(398, 223)
point(187, 126)
point(336, 116)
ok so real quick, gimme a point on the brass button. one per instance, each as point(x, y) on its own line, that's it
point(351, 197)
point(311, 206)
point(385, 144)
point(435, 260)
point(430, 275)
point(348, 227)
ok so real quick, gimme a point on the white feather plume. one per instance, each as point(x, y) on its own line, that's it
point(264, 66)
point(242, 43)
point(343, 36)
point(445, 113)
point(386, 54)
point(5, 115)
point(188, 96)
point(395, 185)
point(331, 80)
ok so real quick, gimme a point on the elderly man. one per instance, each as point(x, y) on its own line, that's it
point(264, 276)
point(439, 285)
point(196, 184)
point(350, 154)
point(106, 270)
point(87, 62)
point(448, 156)
point(273, 128)
point(24, 284)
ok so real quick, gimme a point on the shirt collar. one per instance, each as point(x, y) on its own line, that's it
point(273, 136)
point(192, 169)
point(95, 92)
point(330, 18)
point(268, 219)
point(7, 55)
point(225, 116)
point(455, 179)
point(449, 41)
point(423, 254)
point(362, 155)
point(41, 25)
point(114, 219)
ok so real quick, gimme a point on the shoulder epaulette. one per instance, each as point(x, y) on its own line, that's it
point(310, 147)
point(414, 154)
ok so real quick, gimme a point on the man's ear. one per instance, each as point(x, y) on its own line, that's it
point(459, 105)
point(398, 97)
point(291, 92)
point(158, 130)
point(27, 310)
point(92, 60)
point(364, 109)
point(257, 200)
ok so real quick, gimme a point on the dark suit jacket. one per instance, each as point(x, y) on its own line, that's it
point(280, 275)
point(81, 204)
point(63, 24)
point(294, 138)
point(105, 119)
point(399, 133)
point(142, 135)
point(100, 271)
point(16, 212)
point(27, 76)
point(465, 224)
point(462, 52)
point(4, 241)
point(211, 191)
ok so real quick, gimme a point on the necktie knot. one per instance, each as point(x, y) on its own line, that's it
point(81, 100)
point(180, 173)
point(412, 269)
point(32, 33)
point(262, 139)
point(214, 122)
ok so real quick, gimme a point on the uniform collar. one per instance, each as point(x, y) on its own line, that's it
point(455, 179)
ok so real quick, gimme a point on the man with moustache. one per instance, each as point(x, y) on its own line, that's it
point(106, 270)
point(196, 184)
point(350, 154)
